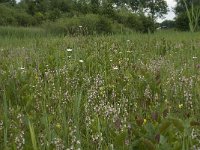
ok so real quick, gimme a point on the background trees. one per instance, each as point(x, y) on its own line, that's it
point(182, 20)
point(133, 14)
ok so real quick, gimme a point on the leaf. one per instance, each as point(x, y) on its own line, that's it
point(178, 124)
point(164, 126)
point(120, 139)
point(148, 144)
point(32, 132)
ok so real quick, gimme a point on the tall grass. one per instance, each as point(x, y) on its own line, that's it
point(100, 92)
point(193, 16)
point(21, 32)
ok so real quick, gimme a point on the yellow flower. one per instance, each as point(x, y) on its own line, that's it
point(144, 121)
point(180, 106)
point(58, 125)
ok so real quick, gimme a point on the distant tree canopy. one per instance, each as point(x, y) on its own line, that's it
point(155, 8)
point(130, 13)
point(12, 2)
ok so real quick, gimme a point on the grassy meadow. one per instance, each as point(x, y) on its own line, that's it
point(114, 92)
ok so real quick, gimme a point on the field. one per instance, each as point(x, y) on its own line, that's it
point(116, 92)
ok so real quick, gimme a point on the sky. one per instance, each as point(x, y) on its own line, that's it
point(169, 16)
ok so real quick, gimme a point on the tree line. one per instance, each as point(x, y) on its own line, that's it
point(139, 15)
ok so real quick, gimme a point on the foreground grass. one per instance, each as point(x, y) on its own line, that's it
point(106, 92)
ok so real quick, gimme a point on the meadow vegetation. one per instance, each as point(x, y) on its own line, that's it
point(128, 91)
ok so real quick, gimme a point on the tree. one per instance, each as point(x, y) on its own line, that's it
point(188, 11)
point(62, 5)
point(154, 8)
point(95, 6)
point(180, 7)
point(12, 2)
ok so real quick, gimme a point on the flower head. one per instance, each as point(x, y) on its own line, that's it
point(180, 106)
point(69, 50)
point(144, 121)
point(58, 125)
point(81, 61)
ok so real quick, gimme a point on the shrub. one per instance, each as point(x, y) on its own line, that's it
point(82, 25)
point(103, 25)
point(13, 16)
point(7, 16)
point(133, 21)
point(182, 22)
point(54, 14)
point(23, 19)
point(147, 24)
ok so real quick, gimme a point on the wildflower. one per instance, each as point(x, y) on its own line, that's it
point(194, 57)
point(22, 68)
point(144, 121)
point(69, 50)
point(180, 106)
point(80, 26)
point(58, 125)
point(81, 61)
point(115, 68)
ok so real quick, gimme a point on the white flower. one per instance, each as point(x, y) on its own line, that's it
point(69, 49)
point(81, 61)
point(194, 57)
point(22, 68)
point(115, 68)
point(80, 26)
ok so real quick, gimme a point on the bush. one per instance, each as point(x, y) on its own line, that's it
point(139, 23)
point(103, 25)
point(54, 14)
point(147, 24)
point(133, 21)
point(13, 16)
point(82, 25)
point(23, 19)
point(182, 22)
point(7, 16)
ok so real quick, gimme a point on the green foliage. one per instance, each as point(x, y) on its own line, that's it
point(191, 9)
point(148, 25)
point(168, 24)
point(182, 22)
point(103, 92)
point(103, 25)
point(16, 17)
point(82, 25)
point(134, 22)
point(38, 12)
point(22, 32)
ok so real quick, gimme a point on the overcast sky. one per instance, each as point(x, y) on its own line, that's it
point(169, 16)
point(171, 5)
